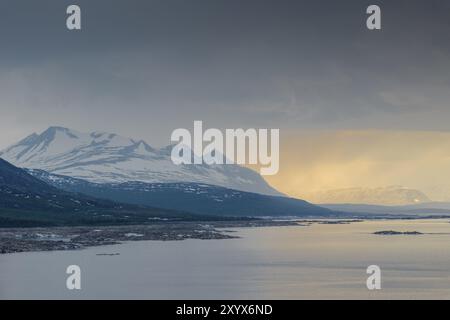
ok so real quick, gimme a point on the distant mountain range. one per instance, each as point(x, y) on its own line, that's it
point(27, 201)
point(67, 177)
point(391, 195)
point(193, 197)
point(434, 209)
point(101, 157)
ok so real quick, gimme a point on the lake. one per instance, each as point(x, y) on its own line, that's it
point(320, 261)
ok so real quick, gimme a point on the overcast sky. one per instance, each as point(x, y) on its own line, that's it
point(144, 68)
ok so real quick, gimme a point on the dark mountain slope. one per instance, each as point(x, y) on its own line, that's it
point(192, 197)
point(28, 201)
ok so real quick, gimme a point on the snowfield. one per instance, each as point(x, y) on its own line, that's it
point(102, 157)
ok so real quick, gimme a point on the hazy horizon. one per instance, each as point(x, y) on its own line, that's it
point(323, 160)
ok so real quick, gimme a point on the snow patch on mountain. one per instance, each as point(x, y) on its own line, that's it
point(103, 157)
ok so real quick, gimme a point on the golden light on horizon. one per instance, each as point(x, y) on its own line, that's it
point(312, 161)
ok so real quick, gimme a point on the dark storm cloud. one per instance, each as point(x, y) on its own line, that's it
point(145, 67)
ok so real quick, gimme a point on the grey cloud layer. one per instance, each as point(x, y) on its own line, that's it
point(143, 68)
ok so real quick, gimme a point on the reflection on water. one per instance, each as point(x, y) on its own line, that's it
point(319, 261)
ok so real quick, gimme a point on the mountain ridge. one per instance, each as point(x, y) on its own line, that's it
point(390, 195)
point(26, 201)
point(102, 157)
point(428, 209)
point(193, 197)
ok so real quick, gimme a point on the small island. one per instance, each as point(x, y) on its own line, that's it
point(393, 233)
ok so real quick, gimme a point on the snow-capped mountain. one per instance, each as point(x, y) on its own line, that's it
point(101, 157)
point(390, 196)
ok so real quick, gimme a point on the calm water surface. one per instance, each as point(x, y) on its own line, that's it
point(318, 261)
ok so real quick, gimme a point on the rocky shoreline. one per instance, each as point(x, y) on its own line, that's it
point(14, 240)
point(395, 233)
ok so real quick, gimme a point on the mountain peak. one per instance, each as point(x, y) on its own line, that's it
point(103, 157)
point(52, 131)
point(57, 128)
